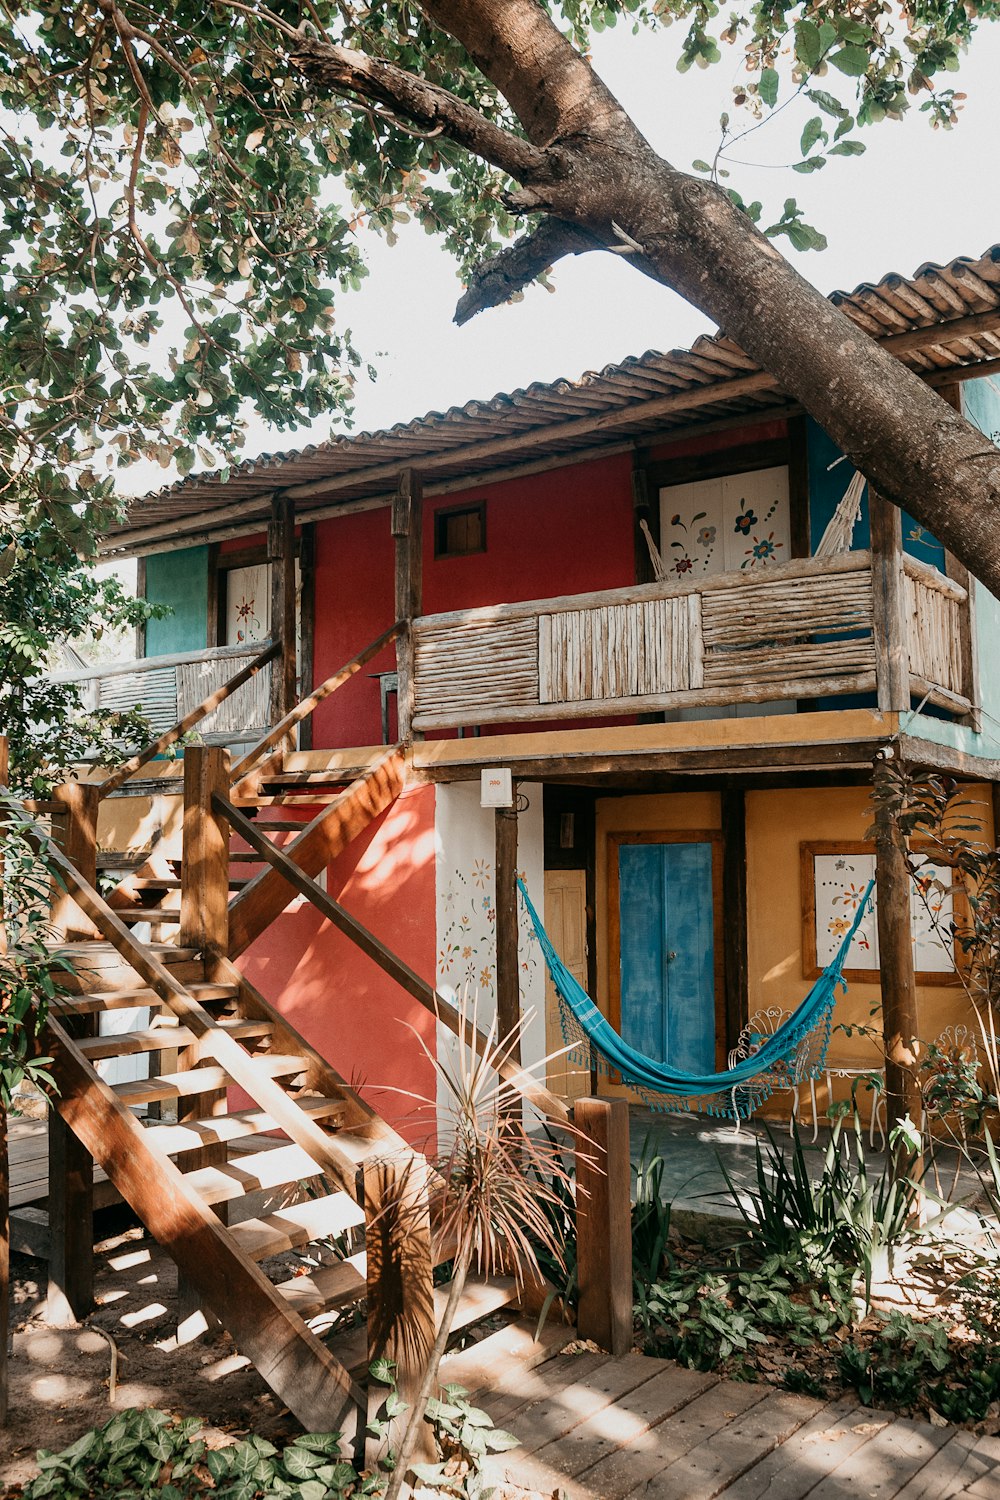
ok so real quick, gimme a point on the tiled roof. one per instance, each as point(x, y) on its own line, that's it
point(645, 397)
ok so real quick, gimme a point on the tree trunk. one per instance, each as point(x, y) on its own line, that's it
point(587, 168)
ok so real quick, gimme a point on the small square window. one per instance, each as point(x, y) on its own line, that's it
point(460, 531)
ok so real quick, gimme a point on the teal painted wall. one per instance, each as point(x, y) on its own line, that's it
point(981, 405)
point(826, 490)
point(179, 579)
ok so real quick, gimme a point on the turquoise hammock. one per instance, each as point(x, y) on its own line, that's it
point(791, 1055)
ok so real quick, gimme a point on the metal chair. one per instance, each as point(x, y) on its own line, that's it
point(783, 1076)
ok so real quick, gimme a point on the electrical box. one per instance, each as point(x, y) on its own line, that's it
point(496, 788)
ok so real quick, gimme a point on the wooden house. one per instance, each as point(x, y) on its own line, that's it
point(692, 756)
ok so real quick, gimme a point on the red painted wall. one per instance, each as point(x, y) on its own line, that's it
point(562, 532)
point(340, 1001)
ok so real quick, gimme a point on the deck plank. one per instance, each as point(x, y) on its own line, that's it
point(886, 1464)
point(790, 1471)
point(961, 1467)
point(707, 1469)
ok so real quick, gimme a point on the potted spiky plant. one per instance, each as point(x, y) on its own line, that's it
point(496, 1184)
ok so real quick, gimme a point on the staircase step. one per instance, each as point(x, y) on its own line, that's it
point(147, 914)
point(201, 1080)
point(97, 966)
point(328, 1287)
point(246, 857)
point(281, 1166)
point(173, 1139)
point(166, 1037)
point(297, 1225)
point(164, 883)
point(98, 1000)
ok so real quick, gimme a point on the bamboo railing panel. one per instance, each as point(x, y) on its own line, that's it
point(797, 630)
point(934, 631)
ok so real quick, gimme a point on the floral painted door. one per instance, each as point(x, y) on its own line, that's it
point(725, 525)
point(248, 604)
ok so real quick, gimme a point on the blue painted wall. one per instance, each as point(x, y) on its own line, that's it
point(826, 490)
point(179, 579)
point(981, 405)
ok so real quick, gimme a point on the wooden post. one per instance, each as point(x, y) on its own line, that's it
point(895, 942)
point(281, 555)
point(71, 1222)
point(400, 1272)
point(205, 851)
point(604, 1223)
point(889, 625)
point(734, 903)
point(76, 834)
point(643, 509)
point(505, 900)
point(407, 531)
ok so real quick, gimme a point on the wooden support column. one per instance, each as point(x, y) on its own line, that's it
point(407, 532)
point(205, 851)
point(604, 1223)
point(644, 508)
point(400, 1272)
point(204, 925)
point(895, 942)
point(889, 623)
point(75, 832)
point(508, 975)
point(281, 556)
point(734, 904)
point(71, 1167)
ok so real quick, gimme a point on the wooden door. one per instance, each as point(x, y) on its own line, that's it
point(668, 950)
point(566, 924)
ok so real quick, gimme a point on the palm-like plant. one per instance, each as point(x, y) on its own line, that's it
point(494, 1188)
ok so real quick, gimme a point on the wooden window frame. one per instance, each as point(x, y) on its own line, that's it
point(613, 842)
point(810, 963)
point(441, 553)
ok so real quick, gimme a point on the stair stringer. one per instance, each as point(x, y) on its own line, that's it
point(320, 841)
point(289, 1357)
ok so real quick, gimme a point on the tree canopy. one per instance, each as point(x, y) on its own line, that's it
point(181, 183)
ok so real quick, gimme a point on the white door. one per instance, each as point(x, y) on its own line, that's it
point(566, 924)
point(725, 525)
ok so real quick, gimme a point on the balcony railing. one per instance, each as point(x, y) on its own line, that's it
point(801, 630)
point(169, 687)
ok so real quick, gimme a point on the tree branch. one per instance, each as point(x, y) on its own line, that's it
point(496, 280)
point(422, 103)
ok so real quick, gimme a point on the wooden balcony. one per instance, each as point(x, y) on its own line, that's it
point(815, 628)
point(168, 688)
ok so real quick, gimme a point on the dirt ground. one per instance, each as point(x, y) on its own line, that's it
point(60, 1379)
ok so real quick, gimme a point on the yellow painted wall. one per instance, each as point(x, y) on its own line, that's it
point(778, 822)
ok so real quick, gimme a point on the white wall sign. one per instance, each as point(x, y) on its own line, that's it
point(496, 788)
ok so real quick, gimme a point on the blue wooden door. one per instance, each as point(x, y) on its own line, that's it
point(667, 953)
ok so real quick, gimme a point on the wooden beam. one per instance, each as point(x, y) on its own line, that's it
point(900, 1027)
point(734, 902)
point(307, 627)
point(408, 537)
point(71, 1222)
point(205, 851)
point(604, 1223)
point(505, 900)
point(320, 841)
point(140, 593)
point(408, 979)
point(889, 626)
point(4, 1144)
point(76, 834)
point(400, 1277)
point(281, 556)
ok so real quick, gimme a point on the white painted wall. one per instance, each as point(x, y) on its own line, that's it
point(466, 915)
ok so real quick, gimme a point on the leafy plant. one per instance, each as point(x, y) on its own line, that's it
point(651, 1214)
point(915, 1361)
point(466, 1436)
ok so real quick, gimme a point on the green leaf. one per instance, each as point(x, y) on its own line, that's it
point(812, 133)
point(808, 44)
point(812, 165)
point(383, 1370)
point(768, 87)
point(854, 61)
point(848, 148)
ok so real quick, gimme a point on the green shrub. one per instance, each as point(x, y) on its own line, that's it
point(913, 1362)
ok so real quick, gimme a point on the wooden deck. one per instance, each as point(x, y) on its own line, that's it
point(28, 1146)
point(592, 1427)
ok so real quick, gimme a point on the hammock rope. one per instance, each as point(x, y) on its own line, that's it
point(795, 1052)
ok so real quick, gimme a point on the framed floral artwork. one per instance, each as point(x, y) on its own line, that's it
point(835, 877)
point(726, 524)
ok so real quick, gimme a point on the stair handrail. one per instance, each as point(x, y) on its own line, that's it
point(536, 1094)
point(311, 702)
point(170, 737)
